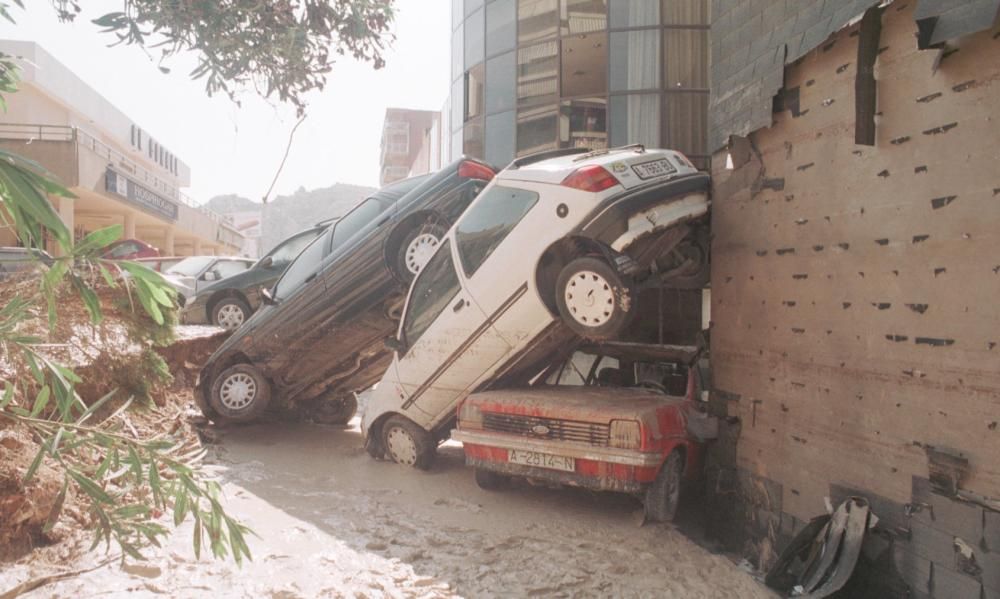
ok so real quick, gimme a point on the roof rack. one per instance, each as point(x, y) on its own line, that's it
point(639, 148)
point(547, 154)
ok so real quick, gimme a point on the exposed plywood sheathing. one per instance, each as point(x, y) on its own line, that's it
point(854, 288)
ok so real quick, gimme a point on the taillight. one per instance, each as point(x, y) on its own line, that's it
point(474, 170)
point(591, 178)
point(684, 160)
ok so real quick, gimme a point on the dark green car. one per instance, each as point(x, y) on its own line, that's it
point(229, 302)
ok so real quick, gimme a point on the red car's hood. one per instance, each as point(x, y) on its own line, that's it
point(585, 404)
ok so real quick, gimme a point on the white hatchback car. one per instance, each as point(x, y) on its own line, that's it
point(566, 234)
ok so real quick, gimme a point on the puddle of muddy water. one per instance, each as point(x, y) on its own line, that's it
point(332, 522)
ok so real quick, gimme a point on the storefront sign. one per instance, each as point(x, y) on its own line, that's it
point(143, 197)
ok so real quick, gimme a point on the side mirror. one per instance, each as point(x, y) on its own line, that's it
point(393, 343)
point(266, 262)
point(267, 296)
point(210, 276)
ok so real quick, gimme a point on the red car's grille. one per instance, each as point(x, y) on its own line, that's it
point(548, 428)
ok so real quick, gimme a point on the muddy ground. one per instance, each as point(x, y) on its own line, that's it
point(332, 522)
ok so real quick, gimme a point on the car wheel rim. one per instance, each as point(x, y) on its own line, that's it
point(590, 298)
point(238, 391)
point(401, 447)
point(420, 251)
point(230, 316)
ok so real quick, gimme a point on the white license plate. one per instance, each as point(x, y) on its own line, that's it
point(542, 460)
point(654, 168)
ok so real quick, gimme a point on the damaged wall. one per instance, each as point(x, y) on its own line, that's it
point(856, 333)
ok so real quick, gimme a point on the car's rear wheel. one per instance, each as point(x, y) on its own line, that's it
point(240, 393)
point(416, 248)
point(663, 496)
point(594, 300)
point(337, 412)
point(491, 481)
point(406, 443)
point(230, 313)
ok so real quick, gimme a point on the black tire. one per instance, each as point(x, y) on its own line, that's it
point(491, 481)
point(607, 305)
point(404, 255)
point(246, 397)
point(695, 248)
point(663, 496)
point(400, 431)
point(337, 412)
point(230, 313)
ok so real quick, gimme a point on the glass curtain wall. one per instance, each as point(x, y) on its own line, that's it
point(532, 75)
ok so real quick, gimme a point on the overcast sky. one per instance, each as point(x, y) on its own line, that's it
point(238, 149)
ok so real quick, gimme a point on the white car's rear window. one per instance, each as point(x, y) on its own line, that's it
point(488, 222)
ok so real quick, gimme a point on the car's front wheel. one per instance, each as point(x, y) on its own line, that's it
point(240, 393)
point(406, 443)
point(594, 300)
point(230, 313)
point(663, 496)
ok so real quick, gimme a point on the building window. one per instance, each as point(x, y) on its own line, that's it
point(685, 12)
point(501, 26)
point(583, 123)
point(685, 126)
point(475, 81)
point(458, 104)
point(537, 20)
point(475, 38)
point(634, 13)
point(456, 143)
point(456, 12)
point(635, 60)
point(584, 65)
point(473, 137)
point(501, 74)
point(537, 129)
point(635, 119)
point(457, 53)
point(397, 138)
point(538, 74)
point(584, 16)
point(472, 5)
point(685, 58)
point(500, 131)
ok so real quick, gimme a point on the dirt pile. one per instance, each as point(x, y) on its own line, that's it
point(117, 354)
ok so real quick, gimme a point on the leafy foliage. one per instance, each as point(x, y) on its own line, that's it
point(280, 47)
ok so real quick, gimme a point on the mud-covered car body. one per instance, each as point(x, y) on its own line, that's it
point(583, 428)
point(321, 334)
point(488, 295)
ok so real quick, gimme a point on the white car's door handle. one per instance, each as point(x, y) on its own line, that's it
point(458, 305)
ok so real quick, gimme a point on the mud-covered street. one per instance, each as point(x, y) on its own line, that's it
point(334, 523)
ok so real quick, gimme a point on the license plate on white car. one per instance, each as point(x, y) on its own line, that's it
point(654, 168)
point(542, 460)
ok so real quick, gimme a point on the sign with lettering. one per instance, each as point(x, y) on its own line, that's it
point(139, 195)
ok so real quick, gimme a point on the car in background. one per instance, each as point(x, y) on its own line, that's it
point(230, 302)
point(628, 418)
point(19, 259)
point(195, 272)
point(319, 338)
point(130, 249)
point(566, 236)
point(160, 263)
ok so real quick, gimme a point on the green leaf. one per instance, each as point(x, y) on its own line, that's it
point(8, 395)
point(95, 406)
point(41, 400)
point(180, 507)
point(90, 300)
point(108, 278)
point(130, 511)
point(197, 535)
point(56, 509)
point(90, 487)
point(97, 240)
point(33, 468)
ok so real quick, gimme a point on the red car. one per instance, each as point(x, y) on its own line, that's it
point(130, 249)
point(625, 423)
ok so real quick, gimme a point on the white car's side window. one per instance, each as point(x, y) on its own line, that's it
point(435, 286)
point(488, 222)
